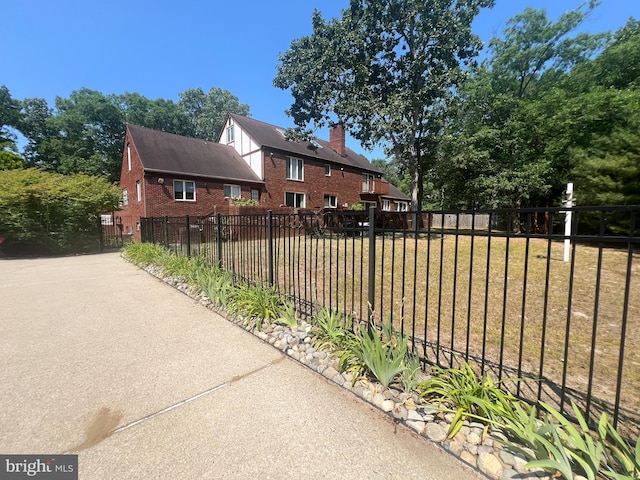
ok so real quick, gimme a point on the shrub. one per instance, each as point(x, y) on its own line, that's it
point(60, 212)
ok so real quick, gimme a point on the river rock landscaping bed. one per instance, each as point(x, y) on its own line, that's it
point(488, 456)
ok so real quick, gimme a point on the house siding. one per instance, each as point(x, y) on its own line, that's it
point(345, 184)
point(135, 209)
point(246, 147)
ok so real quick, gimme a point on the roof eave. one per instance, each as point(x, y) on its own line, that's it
point(199, 175)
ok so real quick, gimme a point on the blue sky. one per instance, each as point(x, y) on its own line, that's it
point(161, 48)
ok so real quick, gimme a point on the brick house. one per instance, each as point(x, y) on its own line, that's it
point(312, 175)
point(163, 174)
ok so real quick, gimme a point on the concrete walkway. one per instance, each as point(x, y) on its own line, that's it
point(102, 359)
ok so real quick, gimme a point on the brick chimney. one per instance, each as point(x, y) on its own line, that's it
point(337, 139)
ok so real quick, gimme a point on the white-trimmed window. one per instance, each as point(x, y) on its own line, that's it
point(184, 190)
point(386, 205)
point(330, 201)
point(402, 206)
point(125, 197)
point(294, 199)
point(367, 182)
point(255, 194)
point(139, 190)
point(230, 134)
point(327, 170)
point(232, 191)
point(295, 169)
point(129, 156)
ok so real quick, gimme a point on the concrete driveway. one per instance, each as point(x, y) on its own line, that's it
point(101, 359)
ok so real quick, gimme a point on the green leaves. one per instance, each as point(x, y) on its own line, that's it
point(386, 70)
point(60, 212)
point(332, 328)
point(469, 395)
point(255, 302)
point(383, 352)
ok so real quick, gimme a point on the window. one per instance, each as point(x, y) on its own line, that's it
point(401, 206)
point(255, 194)
point(125, 197)
point(330, 201)
point(139, 190)
point(367, 182)
point(327, 170)
point(386, 205)
point(184, 190)
point(295, 167)
point(230, 136)
point(294, 199)
point(232, 191)
point(129, 156)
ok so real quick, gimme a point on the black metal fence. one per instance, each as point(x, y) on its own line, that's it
point(507, 290)
point(113, 231)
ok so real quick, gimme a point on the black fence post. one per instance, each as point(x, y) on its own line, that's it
point(270, 246)
point(166, 231)
point(188, 237)
point(219, 238)
point(372, 262)
point(101, 233)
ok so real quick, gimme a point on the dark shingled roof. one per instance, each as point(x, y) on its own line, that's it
point(268, 135)
point(168, 153)
point(395, 193)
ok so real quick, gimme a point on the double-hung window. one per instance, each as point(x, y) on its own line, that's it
point(295, 169)
point(294, 199)
point(230, 134)
point(232, 191)
point(184, 190)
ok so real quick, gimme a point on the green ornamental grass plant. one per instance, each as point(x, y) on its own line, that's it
point(216, 284)
point(257, 303)
point(461, 391)
point(331, 330)
point(557, 445)
point(384, 352)
point(143, 254)
point(288, 315)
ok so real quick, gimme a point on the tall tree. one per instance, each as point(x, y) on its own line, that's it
point(386, 71)
point(159, 114)
point(206, 111)
point(509, 144)
point(9, 118)
point(83, 134)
